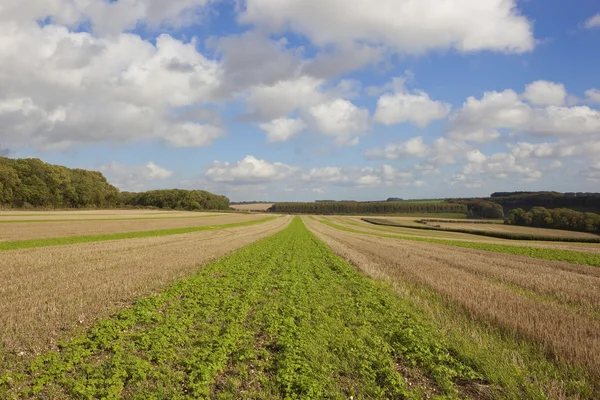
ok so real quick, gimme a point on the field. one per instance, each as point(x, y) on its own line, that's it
point(148, 304)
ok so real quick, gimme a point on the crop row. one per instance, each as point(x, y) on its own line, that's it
point(31, 243)
point(575, 257)
point(282, 318)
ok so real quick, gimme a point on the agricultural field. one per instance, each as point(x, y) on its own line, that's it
point(178, 305)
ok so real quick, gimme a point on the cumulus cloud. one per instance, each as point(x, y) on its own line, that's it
point(479, 120)
point(284, 97)
point(411, 148)
point(341, 119)
point(499, 166)
point(249, 170)
point(544, 93)
point(62, 88)
point(405, 26)
point(282, 129)
point(592, 22)
point(555, 150)
point(359, 177)
point(107, 17)
point(593, 95)
point(403, 106)
point(134, 178)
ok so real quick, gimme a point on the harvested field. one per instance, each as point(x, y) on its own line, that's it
point(50, 290)
point(28, 230)
point(357, 224)
point(101, 216)
point(551, 303)
point(252, 207)
point(518, 230)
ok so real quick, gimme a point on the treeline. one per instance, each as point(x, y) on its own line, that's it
point(32, 183)
point(558, 218)
point(177, 199)
point(349, 207)
point(26, 183)
point(478, 208)
point(527, 200)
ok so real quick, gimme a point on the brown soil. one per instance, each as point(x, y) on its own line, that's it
point(47, 292)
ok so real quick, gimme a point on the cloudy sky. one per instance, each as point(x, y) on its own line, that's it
point(307, 99)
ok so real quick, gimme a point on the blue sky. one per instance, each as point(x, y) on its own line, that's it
point(308, 99)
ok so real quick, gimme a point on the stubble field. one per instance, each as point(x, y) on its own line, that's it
point(112, 304)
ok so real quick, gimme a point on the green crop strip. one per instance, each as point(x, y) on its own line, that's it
point(21, 221)
point(282, 318)
point(30, 243)
point(572, 256)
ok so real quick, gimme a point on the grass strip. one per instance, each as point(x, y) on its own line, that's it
point(21, 221)
point(499, 235)
point(31, 243)
point(571, 256)
point(282, 318)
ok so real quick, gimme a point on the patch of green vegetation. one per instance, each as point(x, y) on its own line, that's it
point(282, 318)
point(21, 221)
point(572, 256)
point(31, 243)
point(499, 235)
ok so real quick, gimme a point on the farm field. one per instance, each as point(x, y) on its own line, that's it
point(356, 223)
point(268, 307)
point(40, 229)
point(513, 229)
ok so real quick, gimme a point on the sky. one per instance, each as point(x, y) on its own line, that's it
point(297, 100)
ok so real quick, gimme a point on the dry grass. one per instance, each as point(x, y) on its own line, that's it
point(99, 214)
point(357, 223)
point(551, 303)
point(47, 292)
point(521, 230)
point(252, 207)
point(43, 230)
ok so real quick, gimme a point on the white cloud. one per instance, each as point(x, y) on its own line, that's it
point(544, 93)
point(134, 178)
point(476, 157)
point(284, 97)
point(359, 177)
point(593, 22)
point(403, 106)
point(192, 135)
point(62, 88)
point(341, 119)
point(106, 17)
point(282, 129)
point(480, 120)
point(411, 148)
point(560, 149)
point(406, 26)
point(501, 166)
point(593, 95)
point(249, 170)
